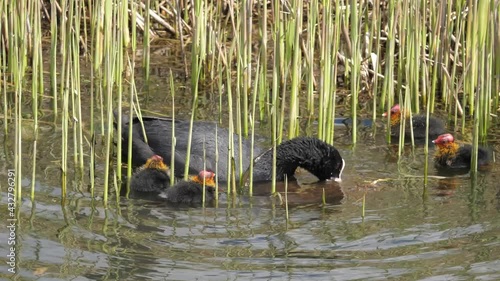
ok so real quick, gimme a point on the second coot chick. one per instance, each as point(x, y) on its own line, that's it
point(191, 191)
point(152, 177)
point(436, 126)
point(450, 154)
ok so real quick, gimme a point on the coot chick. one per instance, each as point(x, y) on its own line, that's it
point(314, 155)
point(450, 154)
point(152, 177)
point(436, 126)
point(191, 191)
point(159, 141)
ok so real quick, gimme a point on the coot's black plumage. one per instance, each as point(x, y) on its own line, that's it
point(312, 154)
point(436, 126)
point(450, 154)
point(191, 191)
point(159, 141)
point(152, 177)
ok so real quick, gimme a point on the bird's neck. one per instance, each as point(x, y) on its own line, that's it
point(197, 179)
point(395, 118)
point(449, 149)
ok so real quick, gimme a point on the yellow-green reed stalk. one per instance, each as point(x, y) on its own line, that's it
point(146, 46)
point(326, 43)
point(252, 124)
point(496, 67)
point(174, 140)
point(412, 66)
point(402, 28)
point(53, 57)
point(426, 146)
point(376, 19)
point(132, 93)
point(356, 56)
point(312, 21)
point(109, 65)
point(123, 39)
point(198, 53)
point(471, 57)
point(331, 92)
point(456, 60)
point(4, 25)
point(18, 79)
point(71, 76)
point(76, 97)
point(231, 179)
point(4, 92)
point(277, 47)
point(36, 82)
point(388, 87)
point(485, 78)
point(405, 117)
point(482, 14)
point(64, 90)
point(439, 49)
point(92, 165)
point(295, 33)
point(286, 198)
point(96, 28)
point(17, 20)
point(204, 169)
point(246, 61)
point(263, 90)
point(242, 60)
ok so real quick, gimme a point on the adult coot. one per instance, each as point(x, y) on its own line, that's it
point(191, 191)
point(312, 154)
point(436, 126)
point(450, 154)
point(208, 139)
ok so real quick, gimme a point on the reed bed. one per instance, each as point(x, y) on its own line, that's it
point(275, 61)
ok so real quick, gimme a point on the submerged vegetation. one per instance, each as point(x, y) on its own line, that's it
point(274, 61)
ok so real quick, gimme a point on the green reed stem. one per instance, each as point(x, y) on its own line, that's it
point(263, 85)
point(197, 59)
point(296, 30)
point(312, 21)
point(252, 125)
point(146, 59)
point(277, 46)
point(388, 87)
point(53, 57)
point(36, 83)
point(109, 65)
point(356, 55)
point(325, 67)
point(174, 139)
point(4, 92)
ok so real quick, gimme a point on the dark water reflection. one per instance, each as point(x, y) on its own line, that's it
point(451, 232)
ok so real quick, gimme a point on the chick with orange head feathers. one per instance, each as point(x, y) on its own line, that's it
point(152, 177)
point(436, 126)
point(191, 191)
point(450, 154)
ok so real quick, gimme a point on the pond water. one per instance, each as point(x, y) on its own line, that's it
point(448, 230)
